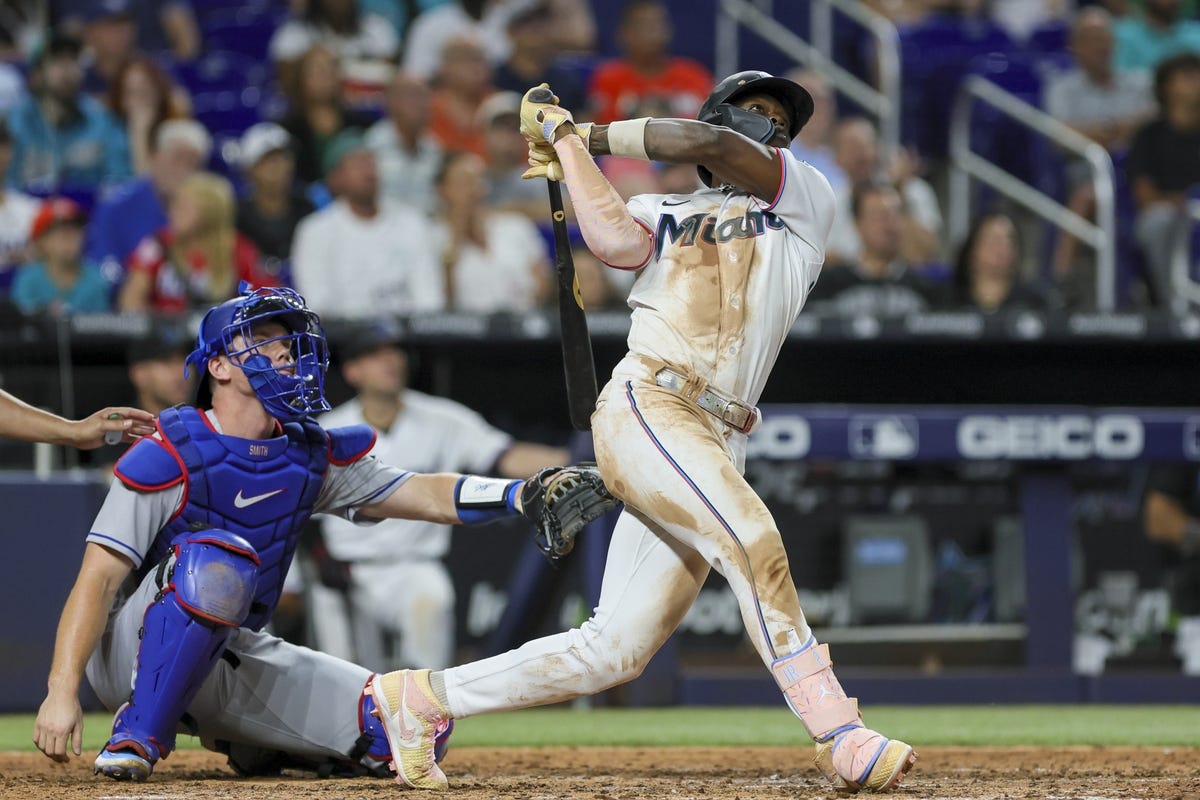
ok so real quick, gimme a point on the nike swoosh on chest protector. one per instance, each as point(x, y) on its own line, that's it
point(245, 502)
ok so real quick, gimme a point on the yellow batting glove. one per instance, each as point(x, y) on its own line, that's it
point(535, 100)
point(543, 163)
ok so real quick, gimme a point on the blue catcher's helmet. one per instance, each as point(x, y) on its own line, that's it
point(718, 109)
point(288, 392)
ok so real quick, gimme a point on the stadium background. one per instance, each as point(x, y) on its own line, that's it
point(915, 567)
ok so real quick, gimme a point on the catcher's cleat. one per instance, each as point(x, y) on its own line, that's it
point(123, 765)
point(412, 718)
point(441, 739)
point(860, 758)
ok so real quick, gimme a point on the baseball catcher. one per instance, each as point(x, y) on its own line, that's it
point(186, 558)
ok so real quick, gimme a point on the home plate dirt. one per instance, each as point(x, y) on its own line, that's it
point(638, 773)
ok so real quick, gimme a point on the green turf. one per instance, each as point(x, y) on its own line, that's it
point(937, 725)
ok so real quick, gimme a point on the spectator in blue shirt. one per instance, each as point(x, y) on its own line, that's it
point(61, 281)
point(63, 139)
point(137, 209)
point(1144, 40)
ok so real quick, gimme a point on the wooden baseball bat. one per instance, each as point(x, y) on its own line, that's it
point(579, 367)
point(578, 364)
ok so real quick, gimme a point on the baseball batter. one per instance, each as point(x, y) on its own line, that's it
point(724, 273)
point(185, 561)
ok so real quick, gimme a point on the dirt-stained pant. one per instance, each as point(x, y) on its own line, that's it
point(688, 508)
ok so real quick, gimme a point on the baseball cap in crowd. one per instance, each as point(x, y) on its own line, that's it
point(187, 131)
point(497, 106)
point(162, 341)
point(362, 338)
point(260, 139)
point(343, 144)
point(56, 211)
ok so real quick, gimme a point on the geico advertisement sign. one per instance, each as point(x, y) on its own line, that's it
point(1065, 436)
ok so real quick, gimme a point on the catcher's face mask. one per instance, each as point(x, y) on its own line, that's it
point(289, 388)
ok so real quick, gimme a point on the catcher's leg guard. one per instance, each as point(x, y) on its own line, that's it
point(850, 756)
point(208, 593)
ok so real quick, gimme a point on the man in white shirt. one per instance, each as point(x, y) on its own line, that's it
point(407, 155)
point(360, 256)
point(398, 583)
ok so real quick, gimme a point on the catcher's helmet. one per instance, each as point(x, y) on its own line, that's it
point(718, 109)
point(288, 392)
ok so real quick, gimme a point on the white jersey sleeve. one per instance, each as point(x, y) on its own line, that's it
point(359, 483)
point(804, 202)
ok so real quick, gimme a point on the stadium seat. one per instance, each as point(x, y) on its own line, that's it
point(220, 71)
point(1050, 37)
point(227, 112)
point(234, 31)
point(999, 137)
point(211, 9)
point(934, 55)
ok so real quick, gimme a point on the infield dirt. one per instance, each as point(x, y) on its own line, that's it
point(637, 773)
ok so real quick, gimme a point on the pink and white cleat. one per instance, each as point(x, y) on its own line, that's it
point(860, 758)
point(413, 720)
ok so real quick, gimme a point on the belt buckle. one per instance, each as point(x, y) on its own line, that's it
point(729, 417)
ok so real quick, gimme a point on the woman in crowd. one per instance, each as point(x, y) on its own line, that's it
point(986, 272)
point(198, 259)
point(491, 260)
point(141, 96)
point(316, 111)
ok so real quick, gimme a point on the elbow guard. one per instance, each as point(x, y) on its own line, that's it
point(609, 229)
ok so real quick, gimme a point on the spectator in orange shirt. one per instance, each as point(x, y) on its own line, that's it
point(463, 81)
point(648, 80)
point(198, 259)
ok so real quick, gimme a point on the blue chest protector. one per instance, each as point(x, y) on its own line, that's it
point(262, 490)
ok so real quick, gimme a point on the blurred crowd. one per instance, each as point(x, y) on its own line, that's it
point(367, 153)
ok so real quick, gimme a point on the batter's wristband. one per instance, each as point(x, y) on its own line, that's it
point(479, 500)
point(627, 138)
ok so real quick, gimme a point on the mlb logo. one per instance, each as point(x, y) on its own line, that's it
point(884, 437)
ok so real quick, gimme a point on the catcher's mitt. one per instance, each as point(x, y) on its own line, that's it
point(560, 501)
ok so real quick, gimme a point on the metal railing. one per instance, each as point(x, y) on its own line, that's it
point(1185, 292)
point(966, 165)
point(882, 102)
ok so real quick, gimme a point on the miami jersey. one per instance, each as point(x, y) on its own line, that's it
point(728, 276)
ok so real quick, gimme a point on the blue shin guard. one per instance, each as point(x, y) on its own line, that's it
point(184, 632)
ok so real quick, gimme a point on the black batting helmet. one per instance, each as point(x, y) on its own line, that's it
point(718, 109)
